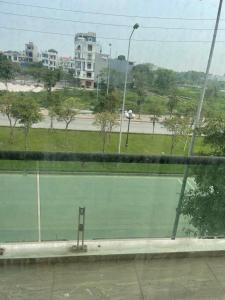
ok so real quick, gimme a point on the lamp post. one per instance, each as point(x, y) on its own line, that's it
point(109, 57)
point(129, 115)
point(125, 88)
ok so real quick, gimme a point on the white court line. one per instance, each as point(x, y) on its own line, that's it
point(188, 182)
point(39, 207)
point(179, 180)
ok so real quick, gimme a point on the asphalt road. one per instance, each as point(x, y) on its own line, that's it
point(85, 122)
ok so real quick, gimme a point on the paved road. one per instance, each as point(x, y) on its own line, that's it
point(85, 122)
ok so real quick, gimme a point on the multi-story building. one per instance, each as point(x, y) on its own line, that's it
point(15, 56)
point(31, 53)
point(85, 52)
point(49, 59)
point(101, 63)
point(119, 64)
point(67, 64)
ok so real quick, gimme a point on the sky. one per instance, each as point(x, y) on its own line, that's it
point(179, 56)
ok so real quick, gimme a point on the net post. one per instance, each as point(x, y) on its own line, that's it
point(80, 247)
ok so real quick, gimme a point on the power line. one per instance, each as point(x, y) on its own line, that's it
point(106, 24)
point(109, 38)
point(106, 14)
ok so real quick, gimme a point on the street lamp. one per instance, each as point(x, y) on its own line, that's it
point(109, 57)
point(129, 115)
point(125, 88)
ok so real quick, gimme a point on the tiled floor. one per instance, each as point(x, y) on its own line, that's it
point(189, 278)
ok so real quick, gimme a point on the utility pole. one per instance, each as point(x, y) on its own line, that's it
point(97, 88)
point(108, 76)
point(196, 124)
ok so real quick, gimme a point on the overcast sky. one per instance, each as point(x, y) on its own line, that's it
point(177, 56)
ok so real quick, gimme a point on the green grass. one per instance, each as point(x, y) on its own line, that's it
point(84, 141)
point(88, 141)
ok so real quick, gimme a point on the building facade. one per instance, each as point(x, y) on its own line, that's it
point(101, 64)
point(49, 59)
point(31, 53)
point(67, 64)
point(85, 53)
point(119, 64)
point(15, 56)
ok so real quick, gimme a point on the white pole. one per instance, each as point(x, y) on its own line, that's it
point(108, 68)
point(125, 89)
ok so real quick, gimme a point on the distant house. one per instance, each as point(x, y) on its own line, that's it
point(118, 64)
point(67, 64)
point(15, 56)
point(49, 59)
point(31, 53)
point(85, 54)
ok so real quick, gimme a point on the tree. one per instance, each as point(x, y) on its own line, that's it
point(8, 107)
point(172, 103)
point(53, 108)
point(110, 102)
point(143, 76)
point(177, 126)
point(7, 69)
point(190, 78)
point(50, 78)
point(67, 111)
point(204, 205)
point(27, 112)
point(165, 80)
point(156, 110)
point(187, 108)
point(214, 133)
point(211, 91)
point(105, 121)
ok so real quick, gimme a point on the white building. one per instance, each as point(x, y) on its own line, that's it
point(85, 52)
point(31, 53)
point(49, 59)
point(67, 64)
point(15, 56)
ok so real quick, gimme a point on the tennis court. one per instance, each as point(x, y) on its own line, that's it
point(45, 206)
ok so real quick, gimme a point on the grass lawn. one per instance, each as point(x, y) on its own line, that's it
point(84, 141)
point(89, 141)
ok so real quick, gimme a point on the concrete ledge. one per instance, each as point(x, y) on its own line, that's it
point(104, 250)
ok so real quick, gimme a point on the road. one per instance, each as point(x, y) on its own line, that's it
point(85, 122)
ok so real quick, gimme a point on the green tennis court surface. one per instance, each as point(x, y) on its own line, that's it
point(117, 206)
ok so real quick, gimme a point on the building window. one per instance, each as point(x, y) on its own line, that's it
point(88, 65)
point(89, 74)
point(89, 47)
point(89, 56)
point(83, 66)
point(78, 73)
point(78, 47)
point(78, 64)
